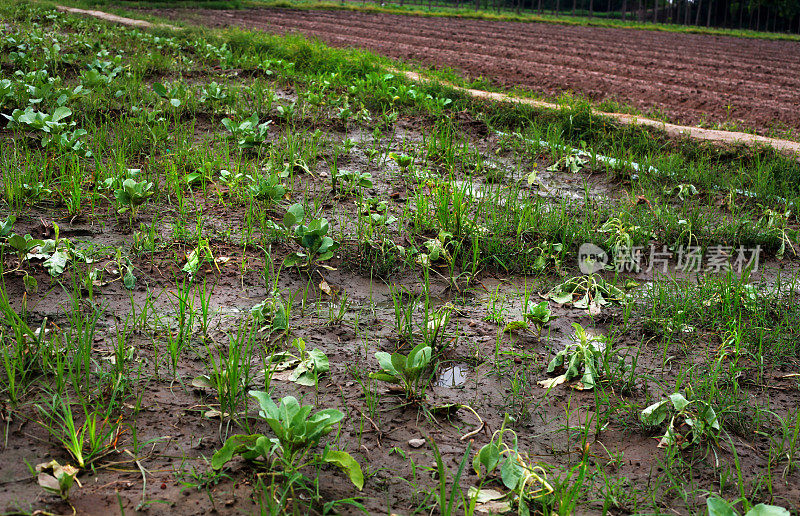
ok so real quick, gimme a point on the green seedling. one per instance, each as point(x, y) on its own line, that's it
point(248, 133)
point(132, 194)
point(270, 314)
point(313, 238)
point(350, 181)
point(580, 359)
point(174, 94)
point(214, 93)
point(231, 179)
point(538, 314)
point(548, 254)
point(405, 370)
point(572, 162)
point(297, 433)
point(587, 292)
point(267, 189)
point(403, 160)
point(690, 422)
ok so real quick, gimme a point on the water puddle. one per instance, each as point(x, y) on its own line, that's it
point(453, 376)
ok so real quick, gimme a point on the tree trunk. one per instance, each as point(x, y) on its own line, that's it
point(699, 9)
point(687, 12)
point(655, 11)
point(574, 4)
point(591, 8)
point(540, 6)
point(558, 7)
point(624, 10)
point(741, 12)
point(758, 19)
point(708, 16)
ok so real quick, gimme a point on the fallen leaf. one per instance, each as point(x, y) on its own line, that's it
point(485, 495)
point(552, 382)
point(325, 287)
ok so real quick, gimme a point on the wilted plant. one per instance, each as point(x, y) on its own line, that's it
point(302, 369)
point(580, 359)
point(590, 292)
point(57, 479)
point(526, 481)
point(690, 422)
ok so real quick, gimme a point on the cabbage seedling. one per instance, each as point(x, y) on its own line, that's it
point(297, 433)
point(133, 194)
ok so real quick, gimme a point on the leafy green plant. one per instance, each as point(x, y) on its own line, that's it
point(297, 433)
point(690, 422)
point(268, 188)
point(405, 370)
point(403, 160)
point(312, 237)
point(248, 133)
point(132, 194)
point(572, 161)
point(580, 359)
point(173, 94)
point(350, 181)
point(538, 314)
point(719, 507)
point(52, 123)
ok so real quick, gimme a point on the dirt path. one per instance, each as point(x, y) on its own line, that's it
point(131, 22)
point(780, 69)
point(673, 130)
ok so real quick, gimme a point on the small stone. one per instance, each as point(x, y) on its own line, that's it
point(416, 443)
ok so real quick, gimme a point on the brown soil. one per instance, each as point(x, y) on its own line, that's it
point(691, 78)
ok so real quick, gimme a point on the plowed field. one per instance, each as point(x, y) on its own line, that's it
point(691, 78)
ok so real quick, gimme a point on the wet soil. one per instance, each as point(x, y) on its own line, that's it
point(492, 371)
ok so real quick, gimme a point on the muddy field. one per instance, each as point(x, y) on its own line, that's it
point(690, 78)
point(134, 325)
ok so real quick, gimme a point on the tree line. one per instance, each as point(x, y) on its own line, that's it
point(762, 15)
